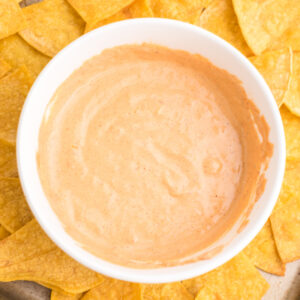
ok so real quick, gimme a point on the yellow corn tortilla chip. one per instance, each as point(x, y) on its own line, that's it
point(290, 185)
point(13, 91)
point(183, 10)
point(263, 253)
point(168, 291)
point(8, 164)
point(236, 279)
point(291, 125)
point(55, 288)
point(138, 9)
point(54, 268)
point(111, 289)
point(263, 21)
point(4, 68)
point(292, 97)
point(194, 285)
point(16, 52)
point(26, 243)
point(219, 18)
point(289, 39)
point(285, 219)
point(60, 296)
point(206, 294)
point(93, 11)
point(14, 211)
point(3, 233)
point(11, 18)
point(286, 228)
point(276, 68)
point(52, 25)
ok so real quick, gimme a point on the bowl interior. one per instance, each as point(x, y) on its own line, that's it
point(172, 34)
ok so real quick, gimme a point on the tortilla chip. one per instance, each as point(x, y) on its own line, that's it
point(289, 39)
point(111, 289)
point(220, 18)
point(183, 10)
point(3, 233)
point(194, 285)
point(263, 253)
point(291, 125)
point(28, 242)
point(14, 211)
point(17, 52)
point(237, 279)
point(12, 19)
point(60, 296)
point(93, 11)
point(52, 25)
point(55, 288)
point(262, 22)
point(138, 9)
point(276, 68)
point(54, 268)
point(168, 291)
point(206, 294)
point(8, 164)
point(13, 91)
point(4, 68)
point(292, 97)
point(286, 228)
point(290, 185)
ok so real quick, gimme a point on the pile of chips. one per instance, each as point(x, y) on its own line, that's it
point(268, 32)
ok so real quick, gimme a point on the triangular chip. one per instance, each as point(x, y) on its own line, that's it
point(60, 296)
point(28, 242)
point(276, 68)
point(206, 294)
point(55, 288)
point(167, 291)
point(182, 10)
point(290, 186)
point(262, 22)
point(17, 52)
point(285, 219)
point(291, 125)
point(289, 39)
point(219, 18)
point(286, 228)
point(138, 9)
point(56, 269)
point(11, 18)
point(13, 91)
point(4, 68)
point(263, 253)
point(292, 97)
point(111, 289)
point(194, 285)
point(93, 11)
point(14, 211)
point(236, 279)
point(3, 233)
point(52, 25)
point(8, 163)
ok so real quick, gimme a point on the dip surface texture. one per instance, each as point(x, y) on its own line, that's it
point(148, 155)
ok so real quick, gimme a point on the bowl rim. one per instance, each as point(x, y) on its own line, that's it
point(165, 274)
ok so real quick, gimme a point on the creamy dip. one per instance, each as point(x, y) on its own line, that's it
point(148, 155)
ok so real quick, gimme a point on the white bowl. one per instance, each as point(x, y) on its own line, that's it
point(172, 34)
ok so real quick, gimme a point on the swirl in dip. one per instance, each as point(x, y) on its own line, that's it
point(149, 155)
